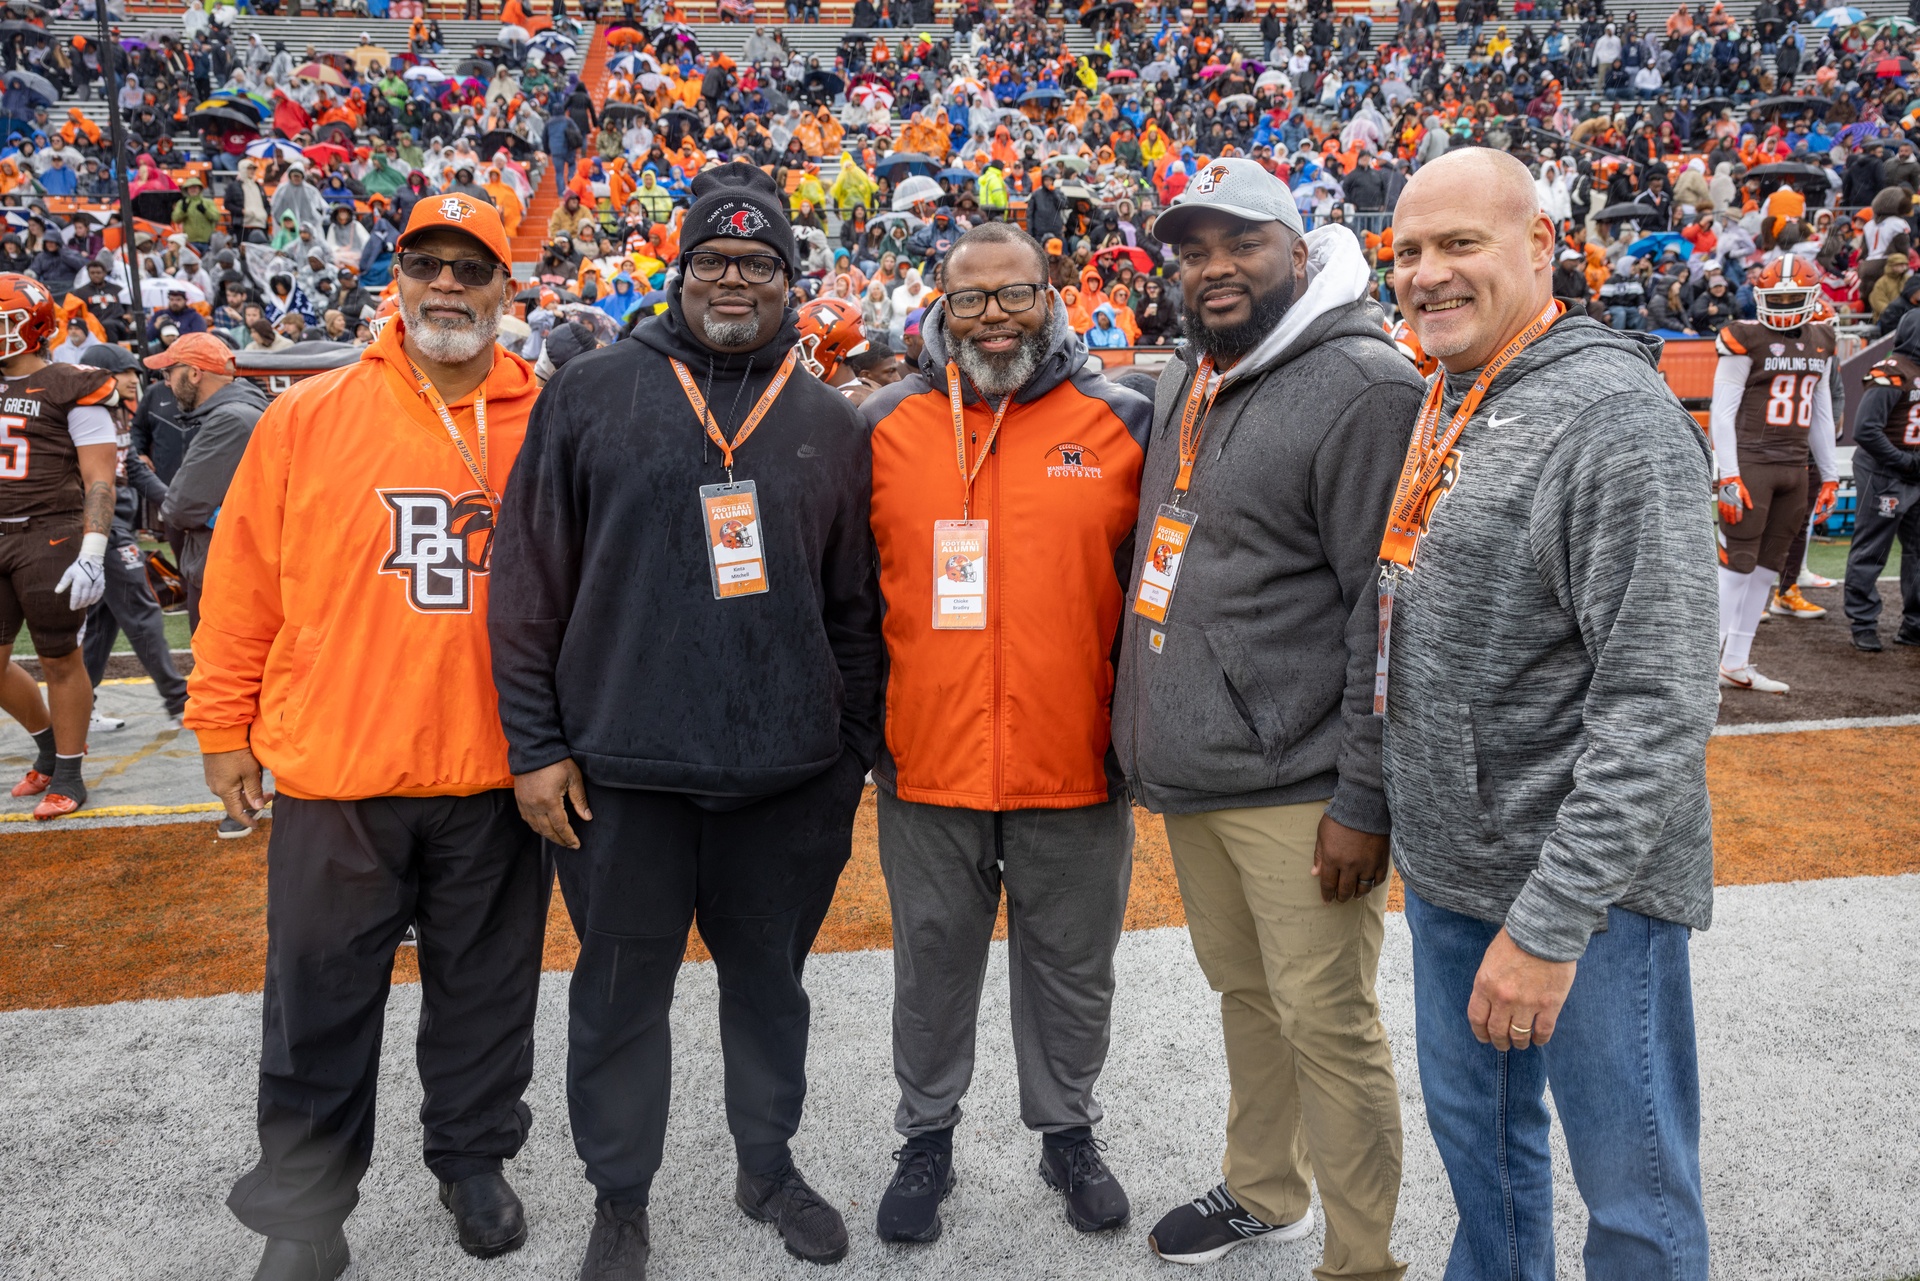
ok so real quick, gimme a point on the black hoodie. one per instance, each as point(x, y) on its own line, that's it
point(608, 644)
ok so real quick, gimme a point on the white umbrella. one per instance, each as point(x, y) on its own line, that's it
point(1842, 17)
point(272, 149)
point(650, 81)
point(423, 72)
point(512, 34)
point(867, 94)
point(1273, 80)
point(154, 291)
point(918, 187)
point(554, 40)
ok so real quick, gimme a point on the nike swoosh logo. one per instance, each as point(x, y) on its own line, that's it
point(1496, 423)
point(55, 542)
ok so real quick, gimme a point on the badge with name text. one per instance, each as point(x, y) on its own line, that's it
point(734, 547)
point(959, 575)
point(1166, 552)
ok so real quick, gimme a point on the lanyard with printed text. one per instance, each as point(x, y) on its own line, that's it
point(477, 470)
point(700, 410)
point(1193, 421)
point(1427, 452)
point(960, 438)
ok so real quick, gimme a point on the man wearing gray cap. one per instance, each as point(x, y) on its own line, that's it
point(1244, 707)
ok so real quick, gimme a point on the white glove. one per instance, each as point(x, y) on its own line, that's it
point(85, 581)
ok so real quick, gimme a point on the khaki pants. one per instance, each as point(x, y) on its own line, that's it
point(1311, 1077)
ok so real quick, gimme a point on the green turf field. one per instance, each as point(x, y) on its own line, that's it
point(1829, 557)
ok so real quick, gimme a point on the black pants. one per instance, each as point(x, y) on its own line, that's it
point(129, 606)
point(758, 879)
point(1886, 509)
point(344, 880)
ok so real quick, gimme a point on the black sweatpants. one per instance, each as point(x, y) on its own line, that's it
point(129, 606)
point(1887, 508)
point(758, 879)
point(344, 880)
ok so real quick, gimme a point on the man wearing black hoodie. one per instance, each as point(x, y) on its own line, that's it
point(687, 647)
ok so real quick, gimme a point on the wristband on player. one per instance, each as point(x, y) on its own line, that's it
point(93, 547)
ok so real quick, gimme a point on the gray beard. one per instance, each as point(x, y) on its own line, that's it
point(729, 334)
point(451, 343)
point(998, 376)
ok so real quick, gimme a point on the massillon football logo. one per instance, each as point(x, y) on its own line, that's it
point(438, 543)
point(1068, 461)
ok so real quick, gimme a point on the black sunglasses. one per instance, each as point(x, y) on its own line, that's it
point(474, 273)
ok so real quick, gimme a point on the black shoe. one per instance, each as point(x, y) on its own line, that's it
point(486, 1213)
point(1095, 1199)
point(812, 1229)
point(1907, 636)
point(288, 1260)
point(1867, 642)
point(922, 1179)
point(1203, 1230)
point(618, 1248)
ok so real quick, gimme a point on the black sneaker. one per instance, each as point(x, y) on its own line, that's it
point(1907, 636)
point(1867, 641)
point(812, 1229)
point(288, 1260)
point(1201, 1231)
point(232, 829)
point(618, 1248)
point(922, 1179)
point(1095, 1199)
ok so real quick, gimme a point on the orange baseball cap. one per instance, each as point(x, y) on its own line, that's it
point(456, 212)
point(200, 351)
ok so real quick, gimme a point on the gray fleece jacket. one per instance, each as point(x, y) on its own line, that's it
point(1552, 676)
point(1258, 689)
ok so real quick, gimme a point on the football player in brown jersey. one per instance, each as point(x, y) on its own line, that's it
point(57, 451)
point(1772, 409)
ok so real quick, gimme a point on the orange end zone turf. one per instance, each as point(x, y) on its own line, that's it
point(128, 913)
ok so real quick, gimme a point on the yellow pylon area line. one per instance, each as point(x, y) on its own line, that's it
point(130, 811)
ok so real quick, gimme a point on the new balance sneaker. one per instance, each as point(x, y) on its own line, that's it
point(812, 1229)
point(1748, 678)
point(1791, 604)
point(105, 724)
point(1095, 1199)
point(1203, 1230)
point(922, 1179)
point(1810, 579)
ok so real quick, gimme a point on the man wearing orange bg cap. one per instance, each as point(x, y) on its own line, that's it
point(343, 645)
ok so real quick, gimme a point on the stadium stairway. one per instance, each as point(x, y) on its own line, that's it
point(546, 199)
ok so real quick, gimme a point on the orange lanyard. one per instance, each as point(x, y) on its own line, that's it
point(477, 470)
point(1193, 421)
point(960, 438)
point(1427, 451)
point(700, 410)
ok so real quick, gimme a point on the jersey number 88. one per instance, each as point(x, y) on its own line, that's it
point(1791, 405)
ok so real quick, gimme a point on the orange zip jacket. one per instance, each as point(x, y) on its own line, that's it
point(343, 631)
point(1017, 715)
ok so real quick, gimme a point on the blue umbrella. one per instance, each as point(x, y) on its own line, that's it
point(1042, 95)
point(1841, 17)
point(956, 175)
point(273, 148)
point(1656, 244)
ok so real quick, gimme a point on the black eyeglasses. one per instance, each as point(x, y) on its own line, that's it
point(755, 269)
point(1013, 299)
point(474, 273)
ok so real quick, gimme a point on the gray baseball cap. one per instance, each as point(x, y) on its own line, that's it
point(1234, 186)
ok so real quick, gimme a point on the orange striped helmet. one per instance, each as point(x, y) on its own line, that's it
point(1786, 293)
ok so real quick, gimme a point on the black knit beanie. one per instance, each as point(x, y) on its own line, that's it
point(738, 200)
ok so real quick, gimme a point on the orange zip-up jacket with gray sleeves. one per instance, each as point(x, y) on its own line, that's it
point(1015, 715)
point(343, 628)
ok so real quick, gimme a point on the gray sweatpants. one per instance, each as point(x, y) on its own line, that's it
point(1066, 874)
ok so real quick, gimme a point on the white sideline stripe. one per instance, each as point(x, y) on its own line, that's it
point(1804, 727)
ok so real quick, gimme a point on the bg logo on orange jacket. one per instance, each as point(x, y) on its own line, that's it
point(1073, 462)
point(438, 543)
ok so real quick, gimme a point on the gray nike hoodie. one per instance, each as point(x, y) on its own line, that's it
point(1552, 677)
point(1258, 689)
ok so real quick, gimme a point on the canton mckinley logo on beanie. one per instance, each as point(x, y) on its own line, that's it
point(738, 201)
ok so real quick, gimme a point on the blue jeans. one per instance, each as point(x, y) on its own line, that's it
point(1625, 1079)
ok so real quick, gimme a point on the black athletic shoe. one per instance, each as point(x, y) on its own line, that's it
point(486, 1213)
point(922, 1179)
point(618, 1248)
point(287, 1260)
point(812, 1229)
point(1867, 642)
point(1095, 1199)
point(1907, 636)
point(1203, 1230)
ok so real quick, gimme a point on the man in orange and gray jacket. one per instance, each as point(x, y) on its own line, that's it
point(1003, 528)
point(343, 645)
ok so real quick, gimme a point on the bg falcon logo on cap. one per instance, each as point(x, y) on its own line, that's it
point(455, 209)
point(1210, 178)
